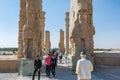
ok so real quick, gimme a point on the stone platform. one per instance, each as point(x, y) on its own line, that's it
point(62, 73)
point(107, 58)
point(8, 63)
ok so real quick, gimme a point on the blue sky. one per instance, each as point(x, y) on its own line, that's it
point(106, 19)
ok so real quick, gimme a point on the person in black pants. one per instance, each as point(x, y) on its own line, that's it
point(48, 65)
point(37, 67)
point(53, 65)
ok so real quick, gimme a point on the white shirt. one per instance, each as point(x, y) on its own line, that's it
point(84, 68)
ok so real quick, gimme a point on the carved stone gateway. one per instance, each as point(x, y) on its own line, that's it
point(31, 28)
point(81, 29)
point(61, 43)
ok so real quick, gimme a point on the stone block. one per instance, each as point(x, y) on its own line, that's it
point(26, 67)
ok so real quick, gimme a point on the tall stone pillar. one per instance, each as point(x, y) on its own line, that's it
point(47, 42)
point(61, 43)
point(42, 31)
point(81, 29)
point(67, 33)
point(41, 40)
point(31, 30)
point(21, 24)
point(31, 34)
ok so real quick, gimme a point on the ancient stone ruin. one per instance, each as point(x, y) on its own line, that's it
point(21, 24)
point(81, 29)
point(61, 43)
point(67, 33)
point(31, 28)
point(47, 43)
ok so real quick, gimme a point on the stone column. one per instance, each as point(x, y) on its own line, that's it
point(31, 37)
point(42, 32)
point(47, 42)
point(67, 33)
point(41, 25)
point(21, 24)
point(61, 43)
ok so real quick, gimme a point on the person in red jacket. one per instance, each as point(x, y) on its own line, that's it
point(48, 65)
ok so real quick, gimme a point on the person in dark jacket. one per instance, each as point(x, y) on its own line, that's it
point(53, 65)
point(37, 67)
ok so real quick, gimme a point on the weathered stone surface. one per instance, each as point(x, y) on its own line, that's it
point(47, 42)
point(67, 33)
point(26, 67)
point(107, 58)
point(31, 28)
point(21, 24)
point(61, 43)
point(81, 29)
point(42, 29)
point(8, 66)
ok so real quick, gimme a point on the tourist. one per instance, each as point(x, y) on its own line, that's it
point(60, 57)
point(53, 65)
point(56, 57)
point(84, 68)
point(48, 64)
point(37, 67)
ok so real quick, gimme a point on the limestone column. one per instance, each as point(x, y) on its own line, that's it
point(67, 33)
point(41, 25)
point(61, 43)
point(47, 42)
point(21, 24)
point(42, 32)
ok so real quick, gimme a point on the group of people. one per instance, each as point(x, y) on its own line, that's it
point(84, 66)
point(50, 64)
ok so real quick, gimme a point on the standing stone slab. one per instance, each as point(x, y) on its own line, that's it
point(81, 29)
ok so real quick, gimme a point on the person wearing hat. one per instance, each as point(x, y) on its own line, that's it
point(84, 68)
